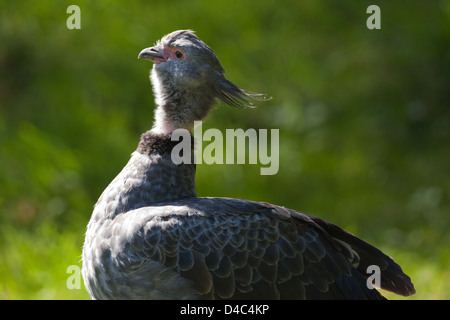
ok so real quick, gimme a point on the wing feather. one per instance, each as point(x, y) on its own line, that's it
point(231, 248)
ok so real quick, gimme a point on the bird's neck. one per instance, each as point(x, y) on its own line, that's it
point(166, 179)
point(150, 177)
point(178, 106)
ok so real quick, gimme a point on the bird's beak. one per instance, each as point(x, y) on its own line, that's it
point(154, 54)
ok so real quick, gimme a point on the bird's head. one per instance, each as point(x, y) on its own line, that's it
point(187, 78)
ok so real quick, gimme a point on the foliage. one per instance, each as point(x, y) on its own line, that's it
point(363, 116)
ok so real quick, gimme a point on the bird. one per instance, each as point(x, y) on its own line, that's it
point(151, 237)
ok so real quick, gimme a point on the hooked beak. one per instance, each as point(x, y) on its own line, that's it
point(154, 54)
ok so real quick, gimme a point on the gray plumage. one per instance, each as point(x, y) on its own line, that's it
point(151, 237)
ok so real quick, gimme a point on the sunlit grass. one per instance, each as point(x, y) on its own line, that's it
point(33, 265)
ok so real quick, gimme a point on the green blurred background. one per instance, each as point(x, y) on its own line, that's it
point(363, 116)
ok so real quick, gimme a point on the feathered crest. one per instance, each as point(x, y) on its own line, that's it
point(224, 89)
point(234, 96)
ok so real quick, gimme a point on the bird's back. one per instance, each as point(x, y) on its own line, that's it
point(230, 248)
